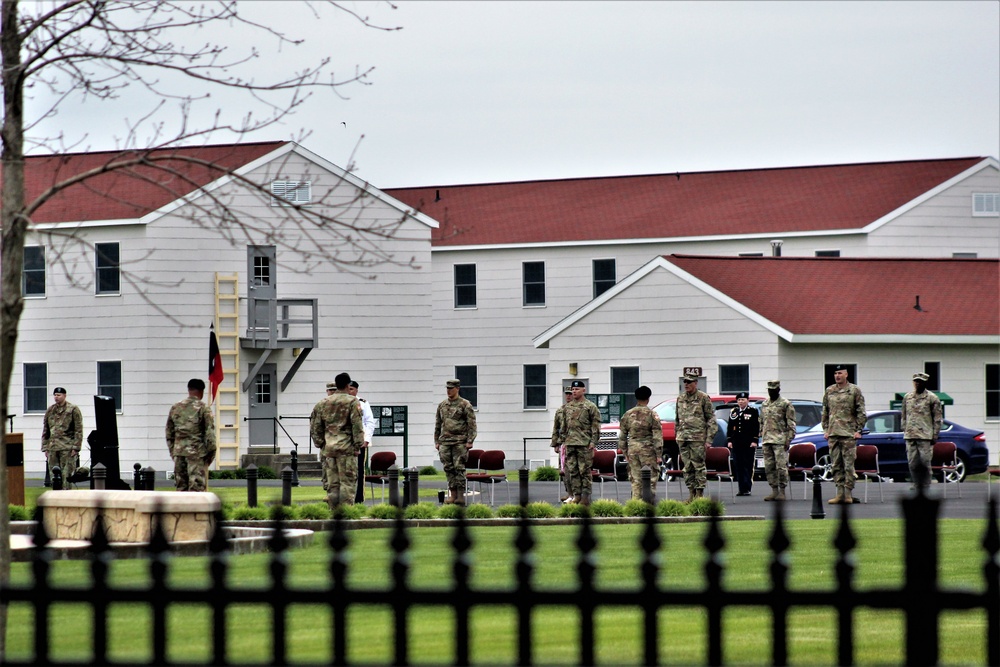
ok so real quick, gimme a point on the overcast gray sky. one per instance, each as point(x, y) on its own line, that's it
point(471, 92)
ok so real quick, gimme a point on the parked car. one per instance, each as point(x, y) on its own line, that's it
point(883, 429)
point(807, 414)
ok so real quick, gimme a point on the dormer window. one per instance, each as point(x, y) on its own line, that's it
point(287, 193)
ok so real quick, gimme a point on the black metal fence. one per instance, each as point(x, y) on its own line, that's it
point(921, 599)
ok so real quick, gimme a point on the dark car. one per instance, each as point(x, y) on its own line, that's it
point(884, 430)
point(807, 414)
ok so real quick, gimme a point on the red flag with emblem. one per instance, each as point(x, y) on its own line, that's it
point(215, 373)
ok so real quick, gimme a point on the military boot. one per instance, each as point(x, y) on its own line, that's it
point(460, 497)
point(699, 493)
point(837, 499)
point(781, 493)
point(450, 500)
point(774, 494)
point(848, 499)
point(584, 499)
point(691, 495)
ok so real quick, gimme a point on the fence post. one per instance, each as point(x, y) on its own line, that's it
point(99, 474)
point(57, 478)
point(922, 584)
point(252, 485)
point(523, 474)
point(647, 485)
point(817, 509)
point(394, 485)
point(286, 486)
point(413, 482)
point(294, 455)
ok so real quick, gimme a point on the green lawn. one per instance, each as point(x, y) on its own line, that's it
point(879, 634)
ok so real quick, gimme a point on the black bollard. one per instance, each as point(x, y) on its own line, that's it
point(57, 480)
point(817, 509)
point(137, 477)
point(295, 467)
point(523, 474)
point(394, 486)
point(150, 478)
point(647, 485)
point(99, 477)
point(413, 484)
point(251, 485)
point(286, 486)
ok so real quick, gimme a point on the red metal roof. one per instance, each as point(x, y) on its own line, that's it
point(675, 205)
point(860, 296)
point(133, 191)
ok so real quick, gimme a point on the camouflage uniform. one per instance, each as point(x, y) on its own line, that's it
point(336, 422)
point(583, 430)
point(559, 444)
point(696, 426)
point(191, 441)
point(777, 428)
point(62, 438)
point(640, 437)
point(454, 432)
point(921, 419)
point(843, 416)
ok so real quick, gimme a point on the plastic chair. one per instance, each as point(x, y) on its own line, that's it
point(673, 466)
point(801, 458)
point(472, 463)
point(378, 466)
point(491, 460)
point(718, 466)
point(604, 469)
point(866, 467)
point(944, 459)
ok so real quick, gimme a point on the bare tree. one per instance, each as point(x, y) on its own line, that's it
point(102, 52)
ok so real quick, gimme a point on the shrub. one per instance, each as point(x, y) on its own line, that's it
point(574, 510)
point(606, 508)
point(704, 507)
point(636, 507)
point(348, 512)
point(263, 472)
point(672, 508)
point(450, 511)
point(383, 511)
point(18, 513)
point(315, 511)
point(227, 511)
point(478, 511)
point(545, 474)
point(246, 513)
point(420, 511)
point(428, 471)
point(511, 512)
point(540, 511)
point(222, 474)
point(288, 512)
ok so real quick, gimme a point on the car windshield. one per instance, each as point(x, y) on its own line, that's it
point(667, 410)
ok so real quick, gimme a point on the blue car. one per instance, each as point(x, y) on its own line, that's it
point(883, 430)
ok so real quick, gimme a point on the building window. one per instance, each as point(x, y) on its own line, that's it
point(109, 381)
point(964, 255)
point(828, 253)
point(751, 254)
point(468, 376)
point(604, 276)
point(261, 271)
point(534, 283)
point(262, 388)
point(625, 380)
point(36, 379)
point(734, 378)
point(852, 373)
point(534, 385)
point(986, 204)
point(288, 193)
point(933, 369)
point(993, 391)
point(33, 276)
point(108, 268)
point(465, 285)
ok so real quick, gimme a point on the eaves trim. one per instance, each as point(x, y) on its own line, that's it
point(909, 339)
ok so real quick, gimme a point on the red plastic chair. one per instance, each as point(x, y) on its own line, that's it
point(379, 465)
point(944, 460)
point(490, 461)
point(718, 466)
point(604, 470)
point(801, 458)
point(866, 467)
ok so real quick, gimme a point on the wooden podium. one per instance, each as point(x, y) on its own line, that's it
point(13, 444)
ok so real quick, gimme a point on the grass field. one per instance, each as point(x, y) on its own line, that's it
point(879, 634)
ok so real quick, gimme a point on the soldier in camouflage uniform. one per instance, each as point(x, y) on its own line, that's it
point(640, 437)
point(336, 423)
point(62, 435)
point(921, 418)
point(583, 430)
point(696, 426)
point(454, 433)
point(191, 439)
point(777, 428)
point(843, 418)
point(559, 440)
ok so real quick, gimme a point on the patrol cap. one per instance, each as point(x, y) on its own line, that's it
point(690, 377)
point(774, 384)
point(567, 390)
point(59, 390)
point(330, 386)
point(923, 377)
point(742, 394)
point(453, 384)
point(577, 383)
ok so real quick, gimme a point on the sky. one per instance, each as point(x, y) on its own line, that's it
point(478, 92)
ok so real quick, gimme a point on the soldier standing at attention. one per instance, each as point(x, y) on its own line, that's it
point(191, 439)
point(336, 423)
point(454, 433)
point(921, 417)
point(640, 437)
point(777, 428)
point(741, 437)
point(696, 427)
point(583, 430)
point(843, 418)
point(559, 440)
point(62, 435)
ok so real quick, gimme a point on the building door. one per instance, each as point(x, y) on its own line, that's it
point(263, 400)
point(262, 288)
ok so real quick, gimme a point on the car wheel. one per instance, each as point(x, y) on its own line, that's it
point(958, 474)
point(827, 466)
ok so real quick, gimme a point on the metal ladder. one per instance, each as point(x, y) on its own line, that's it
point(227, 403)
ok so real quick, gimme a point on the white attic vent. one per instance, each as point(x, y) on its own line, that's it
point(290, 192)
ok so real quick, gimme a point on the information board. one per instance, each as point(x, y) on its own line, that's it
point(389, 419)
point(611, 406)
